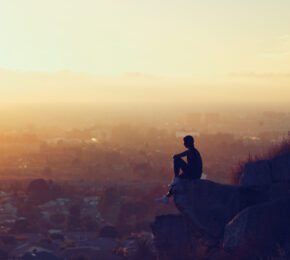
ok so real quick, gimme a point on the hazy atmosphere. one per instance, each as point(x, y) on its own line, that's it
point(145, 51)
point(145, 129)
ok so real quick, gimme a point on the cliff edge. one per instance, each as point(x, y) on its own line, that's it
point(229, 218)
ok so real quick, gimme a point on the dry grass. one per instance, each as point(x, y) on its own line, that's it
point(276, 150)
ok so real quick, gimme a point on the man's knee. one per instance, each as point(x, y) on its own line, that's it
point(177, 160)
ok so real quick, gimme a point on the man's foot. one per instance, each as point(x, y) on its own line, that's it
point(174, 182)
point(164, 200)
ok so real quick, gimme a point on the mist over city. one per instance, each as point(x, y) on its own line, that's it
point(144, 130)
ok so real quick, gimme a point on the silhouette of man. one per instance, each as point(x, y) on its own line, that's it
point(190, 170)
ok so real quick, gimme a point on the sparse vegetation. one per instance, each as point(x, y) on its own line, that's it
point(276, 150)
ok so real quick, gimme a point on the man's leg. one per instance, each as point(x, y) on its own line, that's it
point(165, 199)
point(178, 164)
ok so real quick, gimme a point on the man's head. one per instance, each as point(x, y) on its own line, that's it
point(188, 141)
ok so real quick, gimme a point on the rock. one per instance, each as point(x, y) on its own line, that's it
point(278, 191)
point(173, 236)
point(252, 220)
point(267, 172)
point(264, 225)
point(280, 167)
point(208, 206)
point(256, 174)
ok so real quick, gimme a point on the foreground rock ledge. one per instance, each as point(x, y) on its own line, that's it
point(207, 205)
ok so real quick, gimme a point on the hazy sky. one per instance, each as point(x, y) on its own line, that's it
point(197, 40)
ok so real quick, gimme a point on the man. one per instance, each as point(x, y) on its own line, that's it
point(190, 170)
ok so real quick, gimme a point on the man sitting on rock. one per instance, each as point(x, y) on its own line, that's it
point(190, 170)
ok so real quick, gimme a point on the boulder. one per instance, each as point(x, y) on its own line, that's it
point(261, 226)
point(256, 174)
point(260, 194)
point(278, 191)
point(208, 206)
point(280, 168)
point(172, 235)
point(266, 172)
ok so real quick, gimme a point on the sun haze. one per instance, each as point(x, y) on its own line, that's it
point(231, 51)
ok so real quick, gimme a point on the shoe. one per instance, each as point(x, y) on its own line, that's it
point(163, 200)
point(174, 182)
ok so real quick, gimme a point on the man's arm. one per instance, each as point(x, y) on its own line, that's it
point(179, 155)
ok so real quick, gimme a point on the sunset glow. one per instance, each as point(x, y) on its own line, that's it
point(99, 50)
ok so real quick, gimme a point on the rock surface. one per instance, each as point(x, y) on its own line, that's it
point(280, 168)
point(267, 172)
point(256, 174)
point(254, 215)
point(207, 205)
point(173, 236)
point(266, 224)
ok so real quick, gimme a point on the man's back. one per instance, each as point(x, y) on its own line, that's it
point(194, 162)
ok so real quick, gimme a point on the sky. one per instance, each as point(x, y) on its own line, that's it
point(220, 47)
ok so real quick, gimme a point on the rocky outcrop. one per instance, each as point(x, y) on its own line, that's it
point(207, 205)
point(173, 236)
point(263, 225)
point(267, 172)
point(280, 168)
point(254, 214)
point(256, 174)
